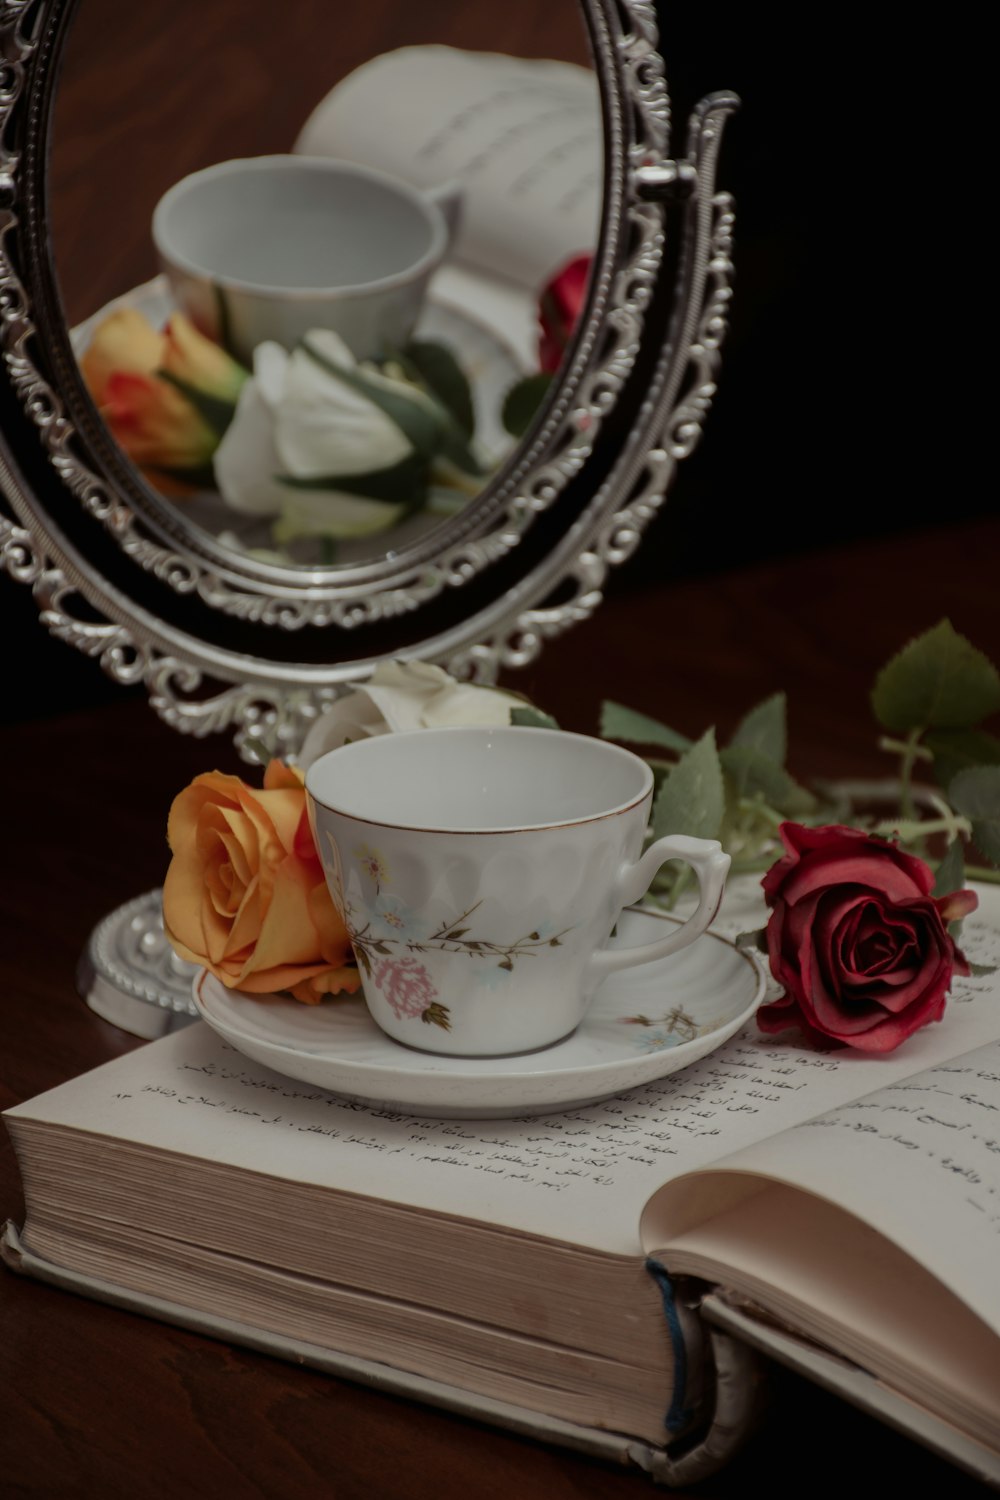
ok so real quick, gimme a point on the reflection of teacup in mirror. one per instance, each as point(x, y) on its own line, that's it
point(270, 247)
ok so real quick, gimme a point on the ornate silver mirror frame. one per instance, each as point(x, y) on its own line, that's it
point(216, 639)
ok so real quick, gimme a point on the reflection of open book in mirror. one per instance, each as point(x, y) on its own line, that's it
point(312, 457)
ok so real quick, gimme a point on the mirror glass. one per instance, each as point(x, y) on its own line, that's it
point(314, 321)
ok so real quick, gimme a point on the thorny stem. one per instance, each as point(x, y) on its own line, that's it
point(901, 747)
point(910, 753)
point(953, 824)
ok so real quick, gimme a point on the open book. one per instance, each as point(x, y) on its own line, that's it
point(843, 1211)
point(523, 139)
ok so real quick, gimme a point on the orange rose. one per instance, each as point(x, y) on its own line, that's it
point(245, 894)
point(166, 397)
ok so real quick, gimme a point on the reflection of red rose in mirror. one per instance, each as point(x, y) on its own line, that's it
point(857, 939)
point(559, 308)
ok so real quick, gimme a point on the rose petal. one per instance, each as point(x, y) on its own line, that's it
point(334, 942)
point(287, 934)
point(342, 981)
point(817, 872)
point(124, 340)
point(353, 717)
point(281, 775)
point(246, 462)
point(957, 905)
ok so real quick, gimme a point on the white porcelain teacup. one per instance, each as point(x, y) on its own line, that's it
point(480, 873)
point(270, 247)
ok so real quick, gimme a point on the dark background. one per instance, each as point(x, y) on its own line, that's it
point(832, 422)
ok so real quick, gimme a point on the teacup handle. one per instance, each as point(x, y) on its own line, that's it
point(710, 864)
point(449, 199)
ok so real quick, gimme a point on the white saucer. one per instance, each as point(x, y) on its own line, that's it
point(644, 1023)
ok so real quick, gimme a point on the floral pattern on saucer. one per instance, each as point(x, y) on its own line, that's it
point(669, 1030)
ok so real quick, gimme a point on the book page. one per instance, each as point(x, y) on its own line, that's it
point(523, 137)
point(508, 310)
point(918, 1161)
point(582, 1176)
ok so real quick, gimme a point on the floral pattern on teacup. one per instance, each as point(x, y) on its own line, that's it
point(373, 865)
point(387, 935)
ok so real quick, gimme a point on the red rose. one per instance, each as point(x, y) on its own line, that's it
point(559, 309)
point(857, 940)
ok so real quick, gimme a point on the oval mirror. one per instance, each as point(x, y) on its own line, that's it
point(315, 332)
point(308, 415)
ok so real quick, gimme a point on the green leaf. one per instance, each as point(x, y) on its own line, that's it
point(951, 870)
point(522, 402)
point(404, 483)
point(976, 794)
point(420, 419)
point(764, 729)
point(938, 681)
point(692, 799)
point(215, 412)
point(224, 320)
point(620, 723)
point(532, 718)
point(956, 750)
point(980, 971)
point(755, 774)
point(437, 368)
point(455, 449)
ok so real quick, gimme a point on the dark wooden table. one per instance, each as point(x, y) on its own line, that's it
point(99, 1402)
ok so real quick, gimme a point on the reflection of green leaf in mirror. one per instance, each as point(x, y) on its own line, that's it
point(427, 424)
point(418, 417)
point(213, 410)
point(621, 723)
point(437, 368)
point(404, 483)
point(938, 681)
point(522, 402)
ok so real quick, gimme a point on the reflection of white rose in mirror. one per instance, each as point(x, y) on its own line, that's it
point(327, 447)
point(405, 695)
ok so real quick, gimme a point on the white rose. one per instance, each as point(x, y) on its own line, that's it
point(404, 695)
point(304, 417)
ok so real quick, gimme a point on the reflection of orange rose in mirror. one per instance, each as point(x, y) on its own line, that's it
point(245, 893)
point(166, 397)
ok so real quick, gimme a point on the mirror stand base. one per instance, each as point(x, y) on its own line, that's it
point(129, 974)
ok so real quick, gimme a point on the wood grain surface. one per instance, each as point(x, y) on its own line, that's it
point(101, 1403)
